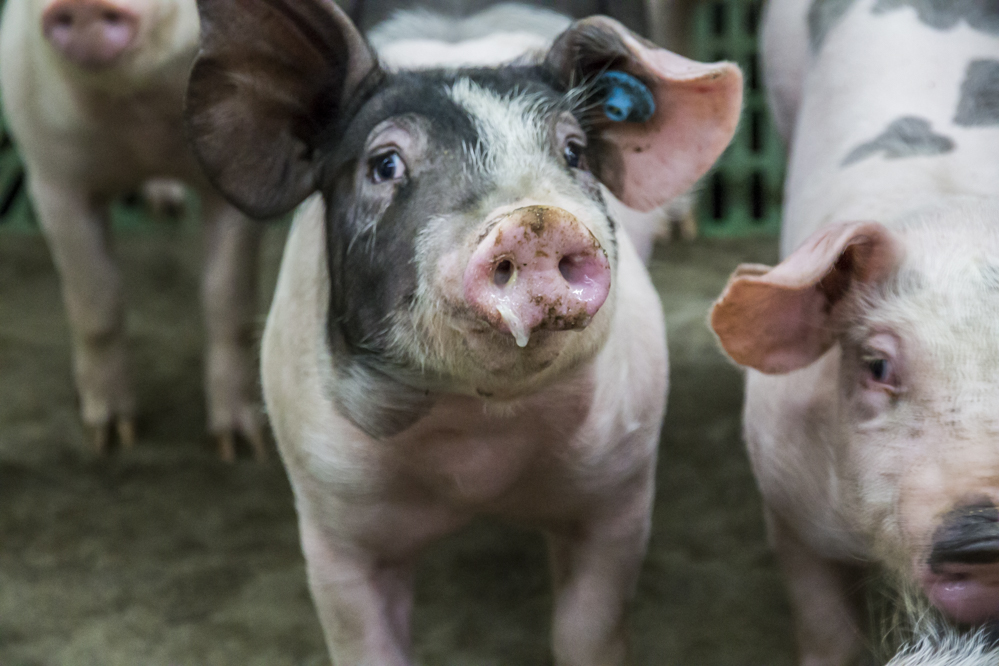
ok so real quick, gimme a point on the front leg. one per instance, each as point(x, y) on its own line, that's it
point(75, 224)
point(595, 566)
point(229, 298)
point(364, 603)
point(823, 595)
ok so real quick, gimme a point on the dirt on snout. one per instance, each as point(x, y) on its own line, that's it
point(166, 556)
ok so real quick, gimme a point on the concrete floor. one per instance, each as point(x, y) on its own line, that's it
point(165, 556)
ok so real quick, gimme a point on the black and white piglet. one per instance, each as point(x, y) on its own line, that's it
point(459, 327)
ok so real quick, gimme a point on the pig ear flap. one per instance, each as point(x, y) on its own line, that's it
point(270, 77)
point(678, 118)
point(781, 319)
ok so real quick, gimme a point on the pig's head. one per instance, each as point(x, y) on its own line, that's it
point(126, 38)
point(910, 314)
point(468, 246)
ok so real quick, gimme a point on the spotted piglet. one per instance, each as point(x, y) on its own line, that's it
point(458, 328)
point(873, 347)
point(93, 93)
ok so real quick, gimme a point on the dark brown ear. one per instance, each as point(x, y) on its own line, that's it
point(270, 77)
point(697, 105)
point(778, 320)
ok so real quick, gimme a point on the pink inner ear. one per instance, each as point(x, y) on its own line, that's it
point(697, 111)
point(780, 320)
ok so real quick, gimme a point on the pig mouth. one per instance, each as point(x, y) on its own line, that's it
point(961, 578)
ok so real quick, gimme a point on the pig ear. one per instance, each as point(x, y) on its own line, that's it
point(271, 76)
point(780, 319)
point(647, 160)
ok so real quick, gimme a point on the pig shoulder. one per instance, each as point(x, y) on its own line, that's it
point(605, 416)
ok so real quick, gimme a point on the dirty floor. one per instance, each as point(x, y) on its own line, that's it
point(165, 556)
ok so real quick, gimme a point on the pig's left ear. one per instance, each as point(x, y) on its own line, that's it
point(270, 78)
point(691, 110)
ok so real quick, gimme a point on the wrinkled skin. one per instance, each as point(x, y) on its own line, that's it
point(871, 388)
point(96, 111)
point(423, 360)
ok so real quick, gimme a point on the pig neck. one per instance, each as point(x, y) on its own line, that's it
point(877, 133)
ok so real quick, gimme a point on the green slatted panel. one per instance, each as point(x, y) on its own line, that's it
point(742, 196)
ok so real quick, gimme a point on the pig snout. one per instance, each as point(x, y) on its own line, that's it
point(537, 268)
point(90, 33)
point(962, 574)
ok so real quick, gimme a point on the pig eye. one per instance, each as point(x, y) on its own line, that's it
point(573, 154)
point(880, 372)
point(878, 368)
point(387, 166)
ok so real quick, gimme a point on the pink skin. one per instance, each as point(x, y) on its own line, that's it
point(90, 33)
point(967, 593)
point(537, 268)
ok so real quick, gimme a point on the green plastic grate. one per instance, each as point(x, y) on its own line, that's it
point(742, 195)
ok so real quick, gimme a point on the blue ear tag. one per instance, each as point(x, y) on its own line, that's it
point(627, 98)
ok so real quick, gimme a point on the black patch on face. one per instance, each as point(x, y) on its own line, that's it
point(979, 103)
point(823, 15)
point(982, 15)
point(371, 240)
point(908, 136)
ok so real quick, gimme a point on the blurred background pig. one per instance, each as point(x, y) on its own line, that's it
point(93, 94)
point(872, 348)
point(460, 327)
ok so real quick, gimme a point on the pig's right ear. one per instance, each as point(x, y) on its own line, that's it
point(270, 77)
point(780, 319)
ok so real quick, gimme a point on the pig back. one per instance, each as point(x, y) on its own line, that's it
point(368, 13)
point(894, 113)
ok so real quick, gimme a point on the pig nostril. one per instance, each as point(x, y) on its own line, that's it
point(63, 20)
point(504, 271)
point(571, 269)
point(112, 17)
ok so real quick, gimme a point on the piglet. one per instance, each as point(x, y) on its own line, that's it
point(459, 328)
point(93, 93)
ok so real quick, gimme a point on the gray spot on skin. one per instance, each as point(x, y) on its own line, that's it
point(981, 15)
point(979, 103)
point(904, 137)
point(822, 17)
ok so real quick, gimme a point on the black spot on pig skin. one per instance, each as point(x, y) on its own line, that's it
point(908, 136)
point(982, 15)
point(979, 103)
point(823, 15)
point(967, 535)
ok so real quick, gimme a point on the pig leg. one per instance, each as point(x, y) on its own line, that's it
point(821, 591)
point(594, 568)
point(229, 298)
point(364, 604)
point(75, 224)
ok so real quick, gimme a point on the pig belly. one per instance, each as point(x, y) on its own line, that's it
point(578, 446)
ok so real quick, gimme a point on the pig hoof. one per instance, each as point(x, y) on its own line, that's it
point(102, 436)
point(228, 443)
